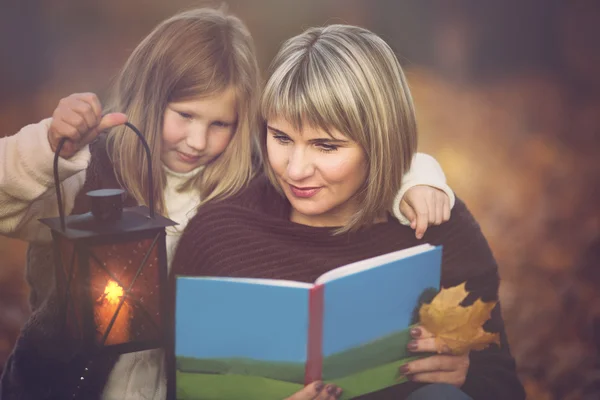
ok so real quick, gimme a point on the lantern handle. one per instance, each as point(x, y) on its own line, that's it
point(61, 143)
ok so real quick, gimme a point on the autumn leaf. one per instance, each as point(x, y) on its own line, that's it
point(455, 327)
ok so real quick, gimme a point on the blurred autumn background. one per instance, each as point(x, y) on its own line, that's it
point(508, 100)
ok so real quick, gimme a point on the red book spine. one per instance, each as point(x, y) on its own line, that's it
point(314, 358)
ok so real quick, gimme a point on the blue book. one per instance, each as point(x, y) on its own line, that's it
point(265, 339)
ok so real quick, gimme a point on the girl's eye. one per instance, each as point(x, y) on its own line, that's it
point(282, 139)
point(184, 115)
point(327, 148)
point(221, 124)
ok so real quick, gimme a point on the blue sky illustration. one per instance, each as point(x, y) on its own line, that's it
point(246, 321)
point(366, 306)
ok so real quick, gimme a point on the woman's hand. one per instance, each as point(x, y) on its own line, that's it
point(78, 118)
point(317, 391)
point(440, 368)
point(423, 206)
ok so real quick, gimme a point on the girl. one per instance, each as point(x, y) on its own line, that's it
point(191, 87)
point(338, 110)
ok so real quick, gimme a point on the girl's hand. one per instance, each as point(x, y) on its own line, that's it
point(423, 206)
point(440, 368)
point(78, 117)
point(317, 391)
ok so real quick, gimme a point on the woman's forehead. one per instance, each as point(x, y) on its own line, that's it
point(305, 128)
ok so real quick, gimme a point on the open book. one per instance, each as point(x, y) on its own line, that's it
point(265, 339)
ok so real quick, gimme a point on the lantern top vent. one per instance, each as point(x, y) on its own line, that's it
point(133, 219)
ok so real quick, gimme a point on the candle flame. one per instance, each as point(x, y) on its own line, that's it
point(113, 292)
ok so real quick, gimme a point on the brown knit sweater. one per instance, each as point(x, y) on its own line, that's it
point(251, 236)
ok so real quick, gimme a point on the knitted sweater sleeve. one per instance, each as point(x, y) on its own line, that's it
point(27, 190)
point(424, 170)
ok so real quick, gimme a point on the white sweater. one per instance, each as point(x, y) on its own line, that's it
point(27, 193)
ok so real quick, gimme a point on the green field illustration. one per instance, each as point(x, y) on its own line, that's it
point(357, 370)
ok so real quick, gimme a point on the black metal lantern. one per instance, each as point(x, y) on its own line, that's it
point(111, 270)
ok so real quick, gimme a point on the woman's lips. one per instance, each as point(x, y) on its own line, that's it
point(305, 192)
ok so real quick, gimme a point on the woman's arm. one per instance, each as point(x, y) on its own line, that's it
point(27, 190)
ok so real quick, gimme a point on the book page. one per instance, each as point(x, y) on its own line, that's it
point(239, 340)
point(371, 263)
point(367, 317)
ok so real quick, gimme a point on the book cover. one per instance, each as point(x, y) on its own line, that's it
point(265, 339)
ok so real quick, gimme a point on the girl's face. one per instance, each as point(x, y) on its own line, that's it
point(197, 131)
point(319, 173)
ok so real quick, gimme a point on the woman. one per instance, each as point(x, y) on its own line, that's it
point(340, 133)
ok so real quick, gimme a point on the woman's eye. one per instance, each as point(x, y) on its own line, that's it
point(184, 115)
point(327, 148)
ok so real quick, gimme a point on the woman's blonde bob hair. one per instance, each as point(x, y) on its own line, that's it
point(196, 53)
point(347, 78)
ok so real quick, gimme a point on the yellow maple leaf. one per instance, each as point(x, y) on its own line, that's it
point(458, 328)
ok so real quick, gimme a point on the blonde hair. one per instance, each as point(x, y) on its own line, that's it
point(200, 52)
point(347, 78)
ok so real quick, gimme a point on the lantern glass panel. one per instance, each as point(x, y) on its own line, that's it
point(126, 271)
point(110, 289)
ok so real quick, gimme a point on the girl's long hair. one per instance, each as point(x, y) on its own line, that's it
point(196, 53)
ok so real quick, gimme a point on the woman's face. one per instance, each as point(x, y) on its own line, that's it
point(320, 173)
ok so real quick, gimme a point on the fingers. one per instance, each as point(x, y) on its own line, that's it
point(111, 120)
point(329, 392)
point(446, 209)
point(80, 110)
point(78, 118)
point(439, 368)
point(409, 213)
point(434, 363)
point(423, 206)
point(419, 332)
point(309, 392)
point(442, 207)
point(428, 345)
point(442, 368)
point(318, 391)
point(439, 208)
point(430, 200)
point(425, 342)
point(422, 222)
point(452, 378)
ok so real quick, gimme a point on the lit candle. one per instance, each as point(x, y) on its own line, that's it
point(104, 310)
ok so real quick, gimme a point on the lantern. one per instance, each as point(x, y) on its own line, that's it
point(111, 270)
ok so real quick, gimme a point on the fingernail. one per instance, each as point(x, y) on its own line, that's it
point(404, 369)
point(415, 332)
point(338, 392)
point(412, 345)
point(331, 390)
point(319, 386)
